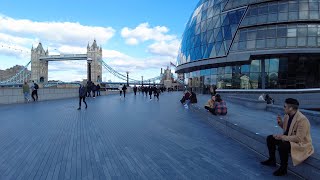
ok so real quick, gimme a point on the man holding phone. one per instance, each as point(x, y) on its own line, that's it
point(296, 138)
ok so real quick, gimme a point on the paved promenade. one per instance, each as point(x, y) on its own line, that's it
point(132, 138)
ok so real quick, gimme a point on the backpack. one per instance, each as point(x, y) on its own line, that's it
point(36, 86)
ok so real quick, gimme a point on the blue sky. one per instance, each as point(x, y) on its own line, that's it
point(139, 36)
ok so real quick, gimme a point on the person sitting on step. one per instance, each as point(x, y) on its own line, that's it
point(210, 104)
point(220, 106)
point(296, 138)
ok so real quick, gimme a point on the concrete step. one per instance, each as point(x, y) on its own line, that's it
point(309, 169)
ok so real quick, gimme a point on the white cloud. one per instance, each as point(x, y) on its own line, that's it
point(18, 35)
point(144, 32)
point(164, 48)
point(67, 33)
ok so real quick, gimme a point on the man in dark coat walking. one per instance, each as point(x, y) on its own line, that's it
point(82, 95)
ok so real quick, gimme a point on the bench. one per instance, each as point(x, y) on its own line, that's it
point(309, 169)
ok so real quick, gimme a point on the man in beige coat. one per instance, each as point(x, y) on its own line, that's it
point(296, 138)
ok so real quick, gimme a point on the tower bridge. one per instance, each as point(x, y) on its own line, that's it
point(40, 59)
point(40, 62)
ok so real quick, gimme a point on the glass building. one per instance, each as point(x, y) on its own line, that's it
point(252, 44)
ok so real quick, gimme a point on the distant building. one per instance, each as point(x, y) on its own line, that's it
point(167, 79)
point(8, 73)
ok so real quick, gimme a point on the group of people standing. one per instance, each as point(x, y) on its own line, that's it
point(156, 91)
point(26, 91)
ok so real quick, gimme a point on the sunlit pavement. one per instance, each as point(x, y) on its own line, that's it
point(119, 138)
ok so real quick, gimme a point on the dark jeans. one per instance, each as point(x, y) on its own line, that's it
point(84, 101)
point(34, 93)
point(120, 93)
point(124, 93)
point(284, 149)
point(212, 110)
point(98, 92)
point(135, 92)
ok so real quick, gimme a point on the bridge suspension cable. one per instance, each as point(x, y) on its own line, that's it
point(20, 77)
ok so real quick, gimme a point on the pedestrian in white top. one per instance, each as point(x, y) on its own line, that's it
point(120, 89)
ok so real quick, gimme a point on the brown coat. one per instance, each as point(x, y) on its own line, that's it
point(210, 103)
point(299, 137)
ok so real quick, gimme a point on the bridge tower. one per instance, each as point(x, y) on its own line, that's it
point(94, 53)
point(39, 69)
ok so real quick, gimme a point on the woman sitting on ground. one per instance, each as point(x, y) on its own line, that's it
point(220, 106)
point(210, 104)
point(185, 97)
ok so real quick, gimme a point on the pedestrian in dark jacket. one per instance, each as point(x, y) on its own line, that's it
point(82, 96)
point(124, 88)
point(135, 89)
point(98, 90)
point(150, 91)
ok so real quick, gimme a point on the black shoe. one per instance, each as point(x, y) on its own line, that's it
point(281, 171)
point(79, 108)
point(269, 162)
point(86, 107)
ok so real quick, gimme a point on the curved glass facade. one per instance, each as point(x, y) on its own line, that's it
point(250, 44)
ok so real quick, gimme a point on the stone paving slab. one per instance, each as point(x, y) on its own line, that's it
point(132, 138)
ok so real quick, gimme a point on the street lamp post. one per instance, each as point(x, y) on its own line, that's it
point(127, 78)
point(142, 80)
point(89, 61)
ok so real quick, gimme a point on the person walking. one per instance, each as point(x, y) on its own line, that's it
point(82, 96)
point(124, 89)
point(150, 91)
point(94, 88)
point(135, 89)
point(120, 89)
point(26, 91)
point(157, 91)
point(34, 89)
point(296, 139)
point(98, 90)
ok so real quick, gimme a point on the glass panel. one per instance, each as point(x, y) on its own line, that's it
point(254, 80)
point(294, 15)
point(302, 30)
point(292, 42)
point(255, 66)
point(292, 32)
point(274, 65)
point(252, 34)
point(261, 33)
point(303, 14)
point(245, 69)
point(302, 41)
point(283, 16)
point(271, 43)
point(213, 71)
point(261, 43)
point(220, 70)
point(281, 42)
point(312, 30)
point(251, 44)
point(314, 14)
point(228, 70)
point(312, 41)
point(271, 33)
